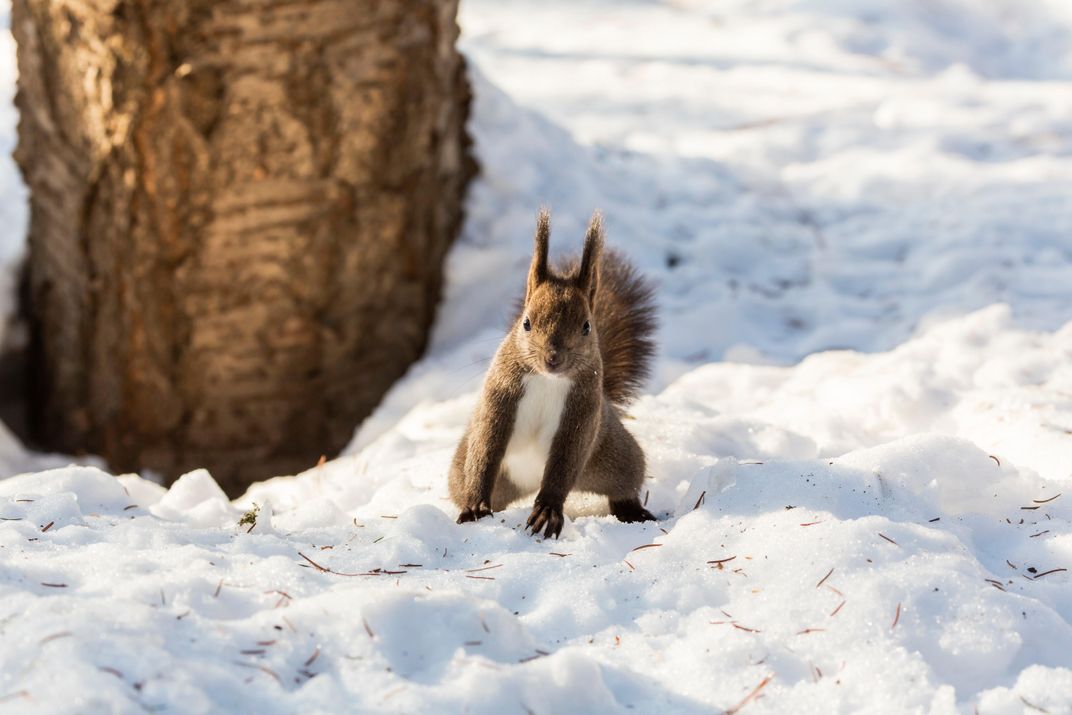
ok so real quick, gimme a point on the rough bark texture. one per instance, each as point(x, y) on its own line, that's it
point(240, 210)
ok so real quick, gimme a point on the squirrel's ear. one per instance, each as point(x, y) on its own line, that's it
point(588, 274)
point(538, 268)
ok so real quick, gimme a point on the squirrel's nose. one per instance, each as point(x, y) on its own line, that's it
point(553, 358)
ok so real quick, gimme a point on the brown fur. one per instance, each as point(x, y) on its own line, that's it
point(591, 450)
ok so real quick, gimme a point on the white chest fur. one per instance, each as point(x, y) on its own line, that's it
point(538, 414)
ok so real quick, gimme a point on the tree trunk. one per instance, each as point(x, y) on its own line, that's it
point(239, 214)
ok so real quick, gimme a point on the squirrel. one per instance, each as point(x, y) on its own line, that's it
point(549, 419)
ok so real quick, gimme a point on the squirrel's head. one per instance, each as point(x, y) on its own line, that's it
point(556, 332)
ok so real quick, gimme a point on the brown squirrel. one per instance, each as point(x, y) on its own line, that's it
point(549, 416)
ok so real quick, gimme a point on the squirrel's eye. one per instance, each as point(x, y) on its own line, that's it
point(586, 328)
point(527, 325)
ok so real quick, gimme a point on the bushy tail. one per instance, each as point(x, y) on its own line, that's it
point(625, 319)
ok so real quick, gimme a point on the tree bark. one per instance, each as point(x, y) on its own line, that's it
point(239, 215)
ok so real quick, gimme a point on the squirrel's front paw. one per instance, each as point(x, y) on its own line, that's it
point(475, 511)
point(546, 517)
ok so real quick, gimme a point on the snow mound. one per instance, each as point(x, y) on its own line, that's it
point(835, 580)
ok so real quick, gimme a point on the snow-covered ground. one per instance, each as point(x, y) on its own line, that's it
point(860, 432)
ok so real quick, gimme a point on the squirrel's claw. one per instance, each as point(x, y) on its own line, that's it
point(474, 512)
point(546, 517)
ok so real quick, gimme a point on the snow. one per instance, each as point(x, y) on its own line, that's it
point(13, 209)
point(859, 434)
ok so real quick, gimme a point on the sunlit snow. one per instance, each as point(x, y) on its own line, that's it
point(859, 217)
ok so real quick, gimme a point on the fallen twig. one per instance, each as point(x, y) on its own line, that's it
point(54, 636)
point(751, 696)
point(325, 569)
point(1032, 705)
point(1044, 573)
point(262, 668)
point(823, 579)
point(283, 597)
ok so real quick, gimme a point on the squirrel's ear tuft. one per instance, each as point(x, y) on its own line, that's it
point(588, 274)
point(538, 268)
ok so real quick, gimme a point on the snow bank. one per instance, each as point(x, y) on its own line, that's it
point(917, 574)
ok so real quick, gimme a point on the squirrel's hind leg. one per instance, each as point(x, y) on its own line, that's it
point(630, 510)
point(616, 470)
